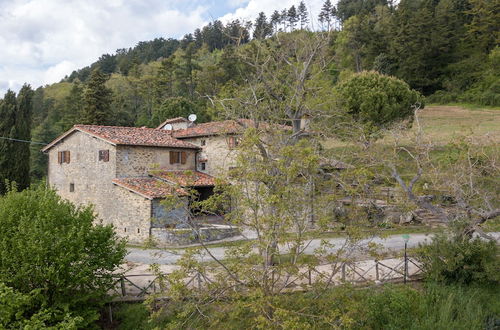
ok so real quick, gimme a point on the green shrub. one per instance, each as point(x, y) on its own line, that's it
point(434, 307)
point(53, 252)
point(132, 316)
point(460, 260)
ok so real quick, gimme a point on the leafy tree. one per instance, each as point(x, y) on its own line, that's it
point(349, 8)
point(8, 109)
point(107, 63)
point(97, 100)
point(484, 26)
point(53, 250)
point(16, 312)
point(376, 101)
point(176, 107)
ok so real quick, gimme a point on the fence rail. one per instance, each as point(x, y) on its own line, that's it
point(139, 286)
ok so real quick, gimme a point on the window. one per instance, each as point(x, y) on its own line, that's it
point(63, 157)
point(125, 229)
point(178, 157)
point(203, 166)
point(138, 231)
point(232, 142)
point(203, 142)
point(71, 187)
point(104, 155)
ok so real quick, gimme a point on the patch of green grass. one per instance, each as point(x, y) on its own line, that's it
point(429, 306)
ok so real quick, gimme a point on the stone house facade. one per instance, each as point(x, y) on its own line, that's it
point(124, 172)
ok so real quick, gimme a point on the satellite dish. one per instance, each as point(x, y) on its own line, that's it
point(192, 117)
point(168, 127)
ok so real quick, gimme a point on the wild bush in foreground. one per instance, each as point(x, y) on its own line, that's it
point(51, 252)
point(389, 307)
point(460, 260)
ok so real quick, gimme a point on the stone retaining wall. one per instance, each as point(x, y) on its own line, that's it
point(208, 233)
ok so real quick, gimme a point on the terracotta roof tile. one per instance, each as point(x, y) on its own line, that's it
point(218, 128)
point(185, 178)
point(135, 136)
point(149, 187)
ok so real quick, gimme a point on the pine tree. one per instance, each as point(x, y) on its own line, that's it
point(73, 104)
point(284, 18)
point(97, 100)
point(303, 15)
point(8, 108)
point(293, 18)
point(23, 132)
point(325, 15)
point(262, 29)
point(275, 20)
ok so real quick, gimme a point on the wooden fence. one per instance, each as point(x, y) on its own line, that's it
point(137, 287)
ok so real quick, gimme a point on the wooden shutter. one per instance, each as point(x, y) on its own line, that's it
point(231, 142)
point(171, 157)
point(67, 157)
point(104, 155)
point(60, 157)
point(183, 157)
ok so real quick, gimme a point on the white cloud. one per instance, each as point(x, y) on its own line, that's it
point(41, 41)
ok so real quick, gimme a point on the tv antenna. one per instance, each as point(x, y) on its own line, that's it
point(192, 118)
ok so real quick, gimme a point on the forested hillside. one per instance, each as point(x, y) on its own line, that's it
point(446, 49)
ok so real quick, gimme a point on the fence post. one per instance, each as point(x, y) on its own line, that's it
point(405, 265)
point(377, 276)
point(199, 280)
point(343, 272)
point(122, 285)
point(310, 281)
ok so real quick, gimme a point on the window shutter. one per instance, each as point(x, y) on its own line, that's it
point(60, 157)
point(106, 155)
point(231, 142)
point(183, 157)
point(67, 157)
point(172, 157)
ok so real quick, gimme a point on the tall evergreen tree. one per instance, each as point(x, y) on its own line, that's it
point(275, 20)
point(325, 15)
point(284, 18)
point(97, 100)
point(293, 17)
point(303, 15)
point(23, 132)
point(8, 109)
point(262, 28)
point(73, 104)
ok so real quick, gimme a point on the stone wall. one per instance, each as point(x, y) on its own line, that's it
point(92, 180)
point(217, 153)
point(90, 177)
point(136, 161)
point(131, 214)
point(163, 217)
point(178, 237)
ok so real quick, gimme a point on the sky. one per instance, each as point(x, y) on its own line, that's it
point(41, 41)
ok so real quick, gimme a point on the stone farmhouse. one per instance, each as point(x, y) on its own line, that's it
point(125, 172)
